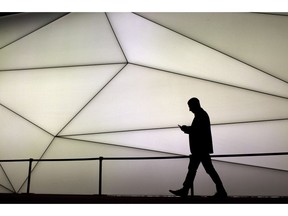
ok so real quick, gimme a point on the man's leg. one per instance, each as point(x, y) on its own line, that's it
point(188, 183)
point(209, 168)
point(192, 170)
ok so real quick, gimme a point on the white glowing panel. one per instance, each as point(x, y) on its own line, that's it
point(149, 44)
point(16, 26)
point(3, 189)
point(144, 177)
point(27, 140)
point(261, 137)
point(257, 137)
point(17, 173)
point(163, 140)
point(257, 39)
point(278, 162)
point(245, 138)
point(51, 97)
point(68, 148)
point(65, 178)
point(141, 98)
point(19, 140)
point(75, 39)
point(4, 182)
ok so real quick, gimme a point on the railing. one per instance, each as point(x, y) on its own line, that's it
point(101, 159)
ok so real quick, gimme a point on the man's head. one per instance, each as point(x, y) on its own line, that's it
point(194, 104)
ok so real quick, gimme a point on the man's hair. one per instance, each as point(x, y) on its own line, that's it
point(194, 102)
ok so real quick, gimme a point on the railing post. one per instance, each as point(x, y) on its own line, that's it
point(100, 175)
point(29, 175)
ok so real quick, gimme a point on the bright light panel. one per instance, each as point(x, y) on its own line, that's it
point(257, 39)
point(75, 39)
point(51, 97)
point(17, 26)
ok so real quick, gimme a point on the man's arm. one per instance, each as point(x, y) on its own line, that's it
point(186, 129)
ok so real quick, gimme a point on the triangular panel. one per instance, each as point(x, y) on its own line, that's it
point(51, 97)
point(278, 162)
point(19, 140)
point(16, 26)
point(4, 182)
point(163, 140)
point(4, 189)
point(257, 39)
point(142, 98)
point(75, 39)
point(149, 44)
point(257, 137)
point(247, 138)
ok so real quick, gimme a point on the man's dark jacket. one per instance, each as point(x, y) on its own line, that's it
point(200, 138)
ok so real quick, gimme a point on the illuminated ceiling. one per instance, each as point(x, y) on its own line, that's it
point(123, 79)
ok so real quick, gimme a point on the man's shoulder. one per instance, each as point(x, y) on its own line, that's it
point(203, 112)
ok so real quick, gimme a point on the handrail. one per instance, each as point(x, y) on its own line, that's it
point(101, 159)
point(146, 158)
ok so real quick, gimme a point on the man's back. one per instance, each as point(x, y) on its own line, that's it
point(200, 137)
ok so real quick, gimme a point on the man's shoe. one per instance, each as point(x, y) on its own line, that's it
point(181, 192)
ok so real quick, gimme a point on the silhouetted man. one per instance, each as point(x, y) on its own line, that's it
point(200, 140)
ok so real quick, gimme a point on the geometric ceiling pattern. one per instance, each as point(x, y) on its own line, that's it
point(117, 84)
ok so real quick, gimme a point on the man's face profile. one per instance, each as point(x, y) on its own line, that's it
point(191, 107)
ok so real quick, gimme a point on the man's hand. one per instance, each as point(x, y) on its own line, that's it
point(184, 128)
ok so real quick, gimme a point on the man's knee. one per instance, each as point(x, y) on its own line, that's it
point(192, 168)
point(210, 170)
